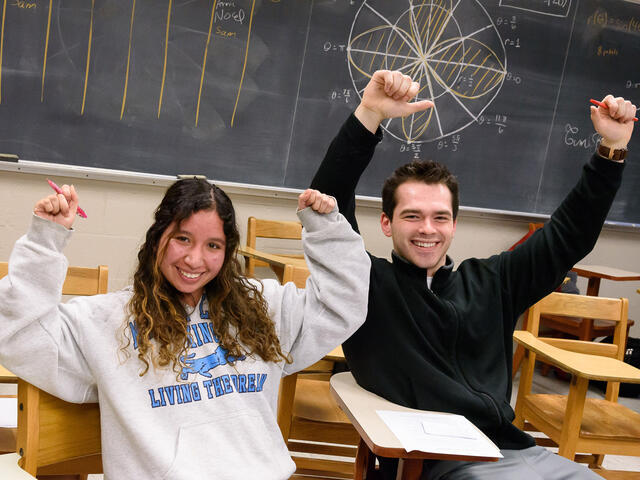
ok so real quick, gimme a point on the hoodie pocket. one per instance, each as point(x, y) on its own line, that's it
point(233, 446)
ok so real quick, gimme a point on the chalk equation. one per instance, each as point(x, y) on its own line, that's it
point(451, 48)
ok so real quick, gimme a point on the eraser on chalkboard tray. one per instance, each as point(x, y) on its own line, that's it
point(8, 157)
point(199, 177)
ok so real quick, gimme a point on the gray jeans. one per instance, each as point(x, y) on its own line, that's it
point(534, 463)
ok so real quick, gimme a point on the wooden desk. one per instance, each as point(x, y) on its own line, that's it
point(6, 376)
point(360, 406)
point(276, 262)
point(335, 355)
point(595, 273)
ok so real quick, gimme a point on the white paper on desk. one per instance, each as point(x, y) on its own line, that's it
point(8, 412)
point(438, 433)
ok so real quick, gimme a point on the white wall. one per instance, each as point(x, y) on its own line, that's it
point(120, 213)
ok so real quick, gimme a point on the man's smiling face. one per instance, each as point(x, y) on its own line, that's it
point(422, 227)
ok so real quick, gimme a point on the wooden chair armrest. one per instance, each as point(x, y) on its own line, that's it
point(591, 367)
point(581, 346)
point(271, 259)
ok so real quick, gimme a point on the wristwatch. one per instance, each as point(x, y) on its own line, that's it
point(607, 152)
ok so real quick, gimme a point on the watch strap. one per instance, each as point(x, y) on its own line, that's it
point(612, 154)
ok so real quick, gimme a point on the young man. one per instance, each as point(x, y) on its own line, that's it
point(440, 339)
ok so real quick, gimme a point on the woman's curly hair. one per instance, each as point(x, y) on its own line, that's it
point(237, 309)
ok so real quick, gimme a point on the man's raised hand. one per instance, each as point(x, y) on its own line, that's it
point(615, 122)
point(388, 95)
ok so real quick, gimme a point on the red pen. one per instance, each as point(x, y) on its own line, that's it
point(58, 190)
point(604, 105)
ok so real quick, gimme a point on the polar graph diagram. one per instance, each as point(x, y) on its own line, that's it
point(451, 47)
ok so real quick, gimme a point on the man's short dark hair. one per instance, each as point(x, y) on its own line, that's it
point(428, 172)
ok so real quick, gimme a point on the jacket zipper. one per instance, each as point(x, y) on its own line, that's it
point(460, 371)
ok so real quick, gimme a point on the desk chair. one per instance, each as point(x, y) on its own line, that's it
point(377, 439)
point(575, 423)
point(562, 326)
point(259, 228)
point(307, 413)
point(55, 437)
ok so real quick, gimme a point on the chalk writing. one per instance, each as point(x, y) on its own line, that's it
point(497, 120)
point(559, 3)
point(513, 77)
point(509, 42)
point(224, 33)
point(554, 8)
point(507, 21)
point(601, 18)
point(328, 46)
point(449, 143)
point(607, 52)
point(411, 148)
point(571, 138)
point(340, 94)
point(24, 4)
point(223, 15)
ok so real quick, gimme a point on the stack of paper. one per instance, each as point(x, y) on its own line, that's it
point(438, 433)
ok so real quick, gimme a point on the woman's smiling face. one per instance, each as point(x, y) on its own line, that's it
point(194, 253)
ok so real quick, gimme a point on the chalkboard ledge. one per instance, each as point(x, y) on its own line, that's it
point(122, 176)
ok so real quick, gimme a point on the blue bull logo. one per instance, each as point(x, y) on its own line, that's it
point(204, 364)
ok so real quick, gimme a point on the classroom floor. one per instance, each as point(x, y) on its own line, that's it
point(540, 384)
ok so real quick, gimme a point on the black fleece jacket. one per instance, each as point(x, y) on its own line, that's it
point(449, 348)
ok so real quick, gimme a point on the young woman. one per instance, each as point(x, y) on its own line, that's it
point(186, 363)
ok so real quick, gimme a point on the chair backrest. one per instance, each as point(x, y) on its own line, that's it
point(532, 228)
point(56, 437)
point(309, 419)
point(79, 280)
point(260, 228)
point(297, 275)
point(598, 308)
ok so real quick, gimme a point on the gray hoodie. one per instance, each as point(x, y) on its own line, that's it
point(219, 420)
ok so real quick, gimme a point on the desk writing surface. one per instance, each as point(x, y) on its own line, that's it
point(608, 273)
point(271, 258)
point(335, 355)
point(360, 406)
point(6, 376)
point(253, 91)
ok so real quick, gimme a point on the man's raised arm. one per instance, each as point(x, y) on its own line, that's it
point(387, 95)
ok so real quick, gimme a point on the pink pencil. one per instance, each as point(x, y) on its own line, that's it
point(58, 190)
point(604, 105)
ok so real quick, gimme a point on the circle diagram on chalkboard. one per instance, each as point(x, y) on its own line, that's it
point(451, 47)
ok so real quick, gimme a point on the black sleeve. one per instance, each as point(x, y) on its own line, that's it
point(347, 157)
point(536, 267)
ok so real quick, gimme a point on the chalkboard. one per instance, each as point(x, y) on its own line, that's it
point(253, 91)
